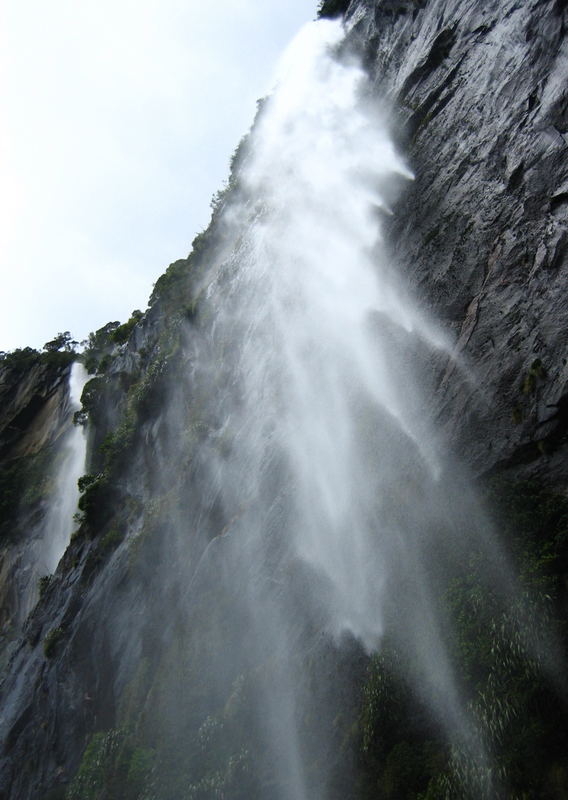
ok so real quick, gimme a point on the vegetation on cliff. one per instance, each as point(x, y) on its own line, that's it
point(140, 717)
point(386, 742)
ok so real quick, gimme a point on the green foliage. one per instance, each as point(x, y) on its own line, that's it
point(96, 502)
point(55, 358)
point(397, 748)
point(20, 360)
point(145, 396)
point(91, 401)
point(85, 481)
point(91, 362)
point(140, 768)
point(499, 642)
point(112, 767)
point(52, 640)
point(63, 341)
point(105, 363)
point(12, 477)
point(111, 540)
point(23, 359)
point(99, 347)
point(101, 338)
point(117, 444)
point(333, 8)
point(238, 156)
point(170, 280)
point(174, 287)
point(115, 449)
point(120, 335)
point(534, 520)
point(24, 482)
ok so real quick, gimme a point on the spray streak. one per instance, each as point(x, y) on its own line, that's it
point(312, 302)
point(330, 468)
point(59, 521)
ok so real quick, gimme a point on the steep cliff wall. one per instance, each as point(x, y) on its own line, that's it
point(109, 692)
point(34, 418)
point(479, 90)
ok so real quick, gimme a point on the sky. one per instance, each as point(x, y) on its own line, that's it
point(119, 118)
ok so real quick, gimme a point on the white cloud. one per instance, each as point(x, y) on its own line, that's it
point(119, 121)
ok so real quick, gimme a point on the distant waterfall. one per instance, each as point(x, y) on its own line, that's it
point(69, 466)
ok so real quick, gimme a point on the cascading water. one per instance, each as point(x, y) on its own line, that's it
point(70, 465)
point(284, 586)
point(341, 511)
point(49, 537)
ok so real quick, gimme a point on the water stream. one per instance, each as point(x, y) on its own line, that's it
point(70, 465)
point(343, 506)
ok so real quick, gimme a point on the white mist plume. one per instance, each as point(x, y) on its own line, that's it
point(313, 366)
point(309, 277)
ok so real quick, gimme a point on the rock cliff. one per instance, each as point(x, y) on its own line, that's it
point(34, 417)
point(106, 694)
point(479, 92)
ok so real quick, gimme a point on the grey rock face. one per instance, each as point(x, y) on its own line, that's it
point(32, 408)
point(34, 416)
point(480, 96)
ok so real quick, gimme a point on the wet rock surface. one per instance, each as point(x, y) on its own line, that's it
point(480, 103)
point(34, 416)
point(480, 96)
point(32, 407)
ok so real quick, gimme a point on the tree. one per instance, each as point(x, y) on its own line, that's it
point(62, 341)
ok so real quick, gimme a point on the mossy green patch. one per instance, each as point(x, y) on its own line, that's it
point(52, 641)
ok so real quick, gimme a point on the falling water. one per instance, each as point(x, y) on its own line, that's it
point(291, 509)
point(323, 515)
point(340, 505)
point(59, 522)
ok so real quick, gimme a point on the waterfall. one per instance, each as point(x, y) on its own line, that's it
point(69, 466)
point(49, 535)
point(285, 584)
point(342, 508)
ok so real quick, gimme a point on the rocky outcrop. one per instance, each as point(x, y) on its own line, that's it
point(480, 98)
point(117, 646)
point(34, 416)
point(32, 404)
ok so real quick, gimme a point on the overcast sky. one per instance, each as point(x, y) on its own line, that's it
point(119, 118)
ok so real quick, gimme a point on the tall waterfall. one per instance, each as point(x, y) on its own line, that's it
point(286, 582)
point(49, 536)
point(70, 465)
point(341, 508)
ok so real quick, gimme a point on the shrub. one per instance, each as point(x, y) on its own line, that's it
point(333, 8)
point(91, 400)
point(113, 766)
point(121, 334)
point(111, 540)
point(96, 502)
point(21, 360)
point(171, 280)
point(52, 640)
point(98, 345)
point(62, 341)
point(24, 482)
